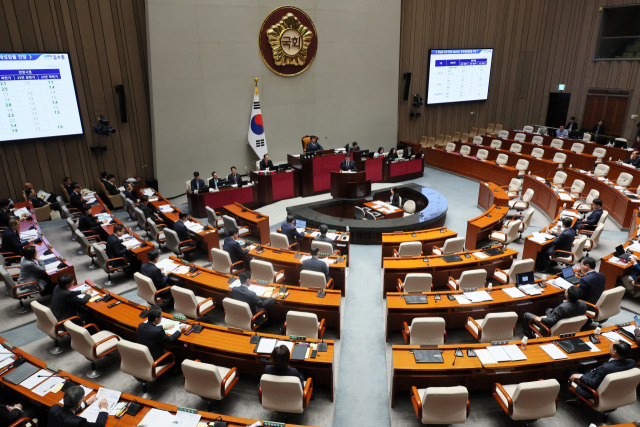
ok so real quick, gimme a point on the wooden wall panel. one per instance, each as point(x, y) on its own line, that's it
point(106, 40)
point(537, 44)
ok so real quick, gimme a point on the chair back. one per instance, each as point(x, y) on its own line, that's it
point(325, 248)
point(154, 231)
point(410, 249)
point(72, 225)
point(262, 271)
point(477, 140)
point(279, 241)
point(281, 393)
point(537, 140)
point(101, 256)
point(464, 137)
point(513, 228)
point(313, 279)
point(229, 222)
point(140, 219)
point(526, 220)
point(445, 405)
point(427, 331)
point(472, 279)
point(221, 261)
point(136, 360)
point(618, 389)
point(577, 187)
point(482, 154)
point(608, 304)
point(418, 282)
point(559, 178)
point(559, 158)
point(586, 137)
point(528, 195)
point(65, 213)
point(599, 154)
point(450, 147)
point(621, 140)
point(211, 217)
point(522, 165)
point(184, 301)
point(595, 237)
point(131, 208)
point(302, 324)
point(576, 147)
point(568, 325)
point(431, 141)
point(528, 128)
point(409, 207)
point(45, 320)
point(465, 150)
point(237, 314)
point(603, 217)
point(453, 245)
point(624, 179)
point(556, 143)
point(123, 200)
point(520, 137)
point(601, 170)
point(9, 283)
point(498, 326)
point(358, 212)
point(515, 148)
point(503, 134)
point(146, 288)
point(440, 139)
point(537, 153)
point(498, 128)
point(202, 379)
point(535, 399)
point(447, 139)
point(502, 159)
point(515, 185)
point(520, 266)
point(456, 136)
point(188, 185)
point(80, 339)
point(578, 247)
point(496, 143)
point(173, 241)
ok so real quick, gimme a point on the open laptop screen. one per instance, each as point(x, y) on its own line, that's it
point(525, 278)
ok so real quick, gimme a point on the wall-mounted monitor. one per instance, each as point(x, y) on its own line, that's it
point(458, 75)
point(37, 96)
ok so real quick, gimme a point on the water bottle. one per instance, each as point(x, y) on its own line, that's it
point(596, 331)
point(489, 287)
point(523, 343)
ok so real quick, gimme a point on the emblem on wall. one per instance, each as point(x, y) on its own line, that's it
point(288, 41)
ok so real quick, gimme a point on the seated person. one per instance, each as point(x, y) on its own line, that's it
point(32, 270)
point(11, 238)
point(152, 335)
point(315, 264)
point(214, 181)
point(347, 164)
point(10, 414)
point(115, 248)
point(181, 229)
point(103, 178)
point(355, 146)
point(129, 194)
point(394, 199)
point(234, 177)
point(147, 210)
point(598, 129)
point(288, 228)
point(634, 160)
point(562, 242)
point(197, 184)
point(65, 302)
point(280, 364)
point(68, 185)
point(111, 185)
point(636, 144)
point(86, 221)
point(408, 152)
point(322, 237)
point(65, 415)
point(244, 294)
point(592, 282)
point(379, 153)
point(75, 198)
point(620, 360)
point(313, 145)
point(265, 163)
point(562, 132)
point(629, 279)
point(572, 127)
point(156, 275)
point(37, 202)
point(591, 221)
point(393, 154)
point(5, 213)
point(570, 307)
point(232, 247)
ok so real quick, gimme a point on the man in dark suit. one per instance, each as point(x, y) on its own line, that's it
point(147, 210)
point(115, 248)
point(232, 247)
point(197, 183)
point(408, 152)
point(591, 221)
point(111, 186)
point(65, 416)
point(68, 185)
point(214, 182)
point(322, 237)
point(266, 163)
point(75, 198)
point(10, 414)
point(634, 160)
point(244, 294)
point(314, 264)
point(592, 282)
point(598, 129)
point(620, 361)
point(5, 214)
point(234, 177)
point(65, 302)
point(152, 335)
point(181, 229)
point(313, 145)
point(562, 242)
point(570, 307)
point(288, 228)
point(86, 221)
point(129, 194)
point(159, 279)
point(37, 202)
point(11, 238)
point(572, 126)
point(103, 178)
point(347, 164)
point(355, 146)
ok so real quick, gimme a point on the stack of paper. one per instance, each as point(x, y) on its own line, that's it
point(235, 283)
point(258, 290)
point(165, 208)
point(170, 326)
point(564, 195)
point(332, 236)
point(485, 357)
point(539, 237)
point(130, 180)
point(614, 336)
point(112, 396)
point(28, 234)
point(513, 292)
point(167, 265)
point(553, 351)
point(478, 296)
point(194, 226)
point(314, 234)
point(569, 213)
point(21, 213)
point(148, 191)
point(634, 247)
point(480, 255)
point(266, 345)
point(559, 282)
point(36, 379)
point(51, 267)
point(531, 289)
point(131, 243)
point(506, 353)
point(48, 385)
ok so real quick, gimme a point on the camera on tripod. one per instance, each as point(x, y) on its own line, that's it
point(103, 128)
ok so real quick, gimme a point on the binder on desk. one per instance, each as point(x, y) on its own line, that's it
point(493, 251)
point(428, 356)
point(21, 373)
point(416, 299)
point(573, 345)
point(299, 352)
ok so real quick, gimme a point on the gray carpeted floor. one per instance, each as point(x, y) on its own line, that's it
point(362, 361)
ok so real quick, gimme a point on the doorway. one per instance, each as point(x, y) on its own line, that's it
point(558, 109)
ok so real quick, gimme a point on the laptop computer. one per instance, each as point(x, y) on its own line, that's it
point(525, 278)
point(570, 276)
point(573, 345)
point(300, 223)
point(620, 252)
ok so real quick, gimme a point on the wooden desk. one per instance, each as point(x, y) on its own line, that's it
point(615, 169)
point(532, 248)
point(383, 209)
point(255, 221)
point(398, 268)
point(43, 403)
point(215, 344)
point(274, 186)
point(374, 168)
point(341, 240)
point(611, 267)
point(490, 194)
point(220, 198)
point(428, 238)
point(207, 238)
point(210, 283)
point(291, 263)
point(480, 227)
point(549, 200)
point(350, 185)
point(315, 170)
point(469, 372)
point(470, 167)
point(402, 170)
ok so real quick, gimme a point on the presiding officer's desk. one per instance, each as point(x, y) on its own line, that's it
point(255, 221)
point(217, 199)
point(52, 398)
point(550, 199)
point(455, 314)
point(398, 268)
point(403, 169)
point(315, 169)
point(428, 238)
point(469, 166)
point(273, 186)
point(218, 345)
point(213, 284)
point(469, 371)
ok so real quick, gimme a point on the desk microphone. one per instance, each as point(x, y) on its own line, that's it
point(326, 139)
point(455, 355)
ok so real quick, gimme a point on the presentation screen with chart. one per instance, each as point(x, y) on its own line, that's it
point(458, 75)
point(37, 96)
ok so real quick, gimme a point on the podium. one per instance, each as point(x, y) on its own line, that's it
point(350, 185)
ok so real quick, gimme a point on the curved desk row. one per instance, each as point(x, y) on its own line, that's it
point(440, 269)
point(52, 398)
point(538, 243)
point(548, 198)
point(217, 199)
point(616, 168)
point(470, 372)
point(471, 167)
point(611, 266)
point(214, 344)
point(210, 283)
point(254, 221)
point(428, 239)
point(494, 199)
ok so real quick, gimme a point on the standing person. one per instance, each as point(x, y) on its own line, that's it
point(592, 282)
point(288, 228)
point(234, 177)
point(355, 146)
point(66, 415)
point(266, 163)
point(347, 164)
point(151, 333)
point(65, 303)
point(280, 364)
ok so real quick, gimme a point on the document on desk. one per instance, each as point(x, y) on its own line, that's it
point(618, 261)
point(165, 208)
point(635, 247)
point(540, 237)
point(514, 352)
point(592, 346)
point(485, 357)
point(332, 236)
point(514, 292)
point(170, 326)
point(287, 344)
point(22, 212)
point(614, 336)
point(131, 243)
point(499, 353)
point(156, 418)
point(559, 282)
point(235, 284)
point(36, 379)
point(168, 266)
point(186, 419)
point(480, 255)
point(553, 351)
point(266, 345)
point(47, 386)
point(478, 296)
point(314, 234)
point(531, 289)
point(91, 413)
point(194, 226)
point(259, 290)
point(462, 300)
point(28, 234)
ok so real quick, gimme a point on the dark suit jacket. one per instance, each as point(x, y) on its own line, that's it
point(4, 218)
point(571, 127)
point(234, 249)
point(7, 417)
point(88, 223)
point(314, 264)
point(563, 311)
point(129, 195)
point(181, 230)
point(114, 247)
point(69, 188)
point(244, 294)
point(154, 337)
point(148, 212)
point(155, 274)
point(395, 200)
point(75, 200)
point(234, 180)
point(597, 129)
point(592, 286)
point(37, 202)
point(62, 417)
point(11, 242)
point(594, 377)
point(290, 231)
point(408, 152)
point(197, 184)
point(564, 241)
point(351, 166)
point(268, 165)
point(321, 238)
point(313, 147)
point(64, 302)
point(212, 183)
point(289, 372)
point(633, 162)
point(593, 217)
point(392, 156)
point(111, 189)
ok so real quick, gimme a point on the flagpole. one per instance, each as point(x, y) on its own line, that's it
point(256, 80)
